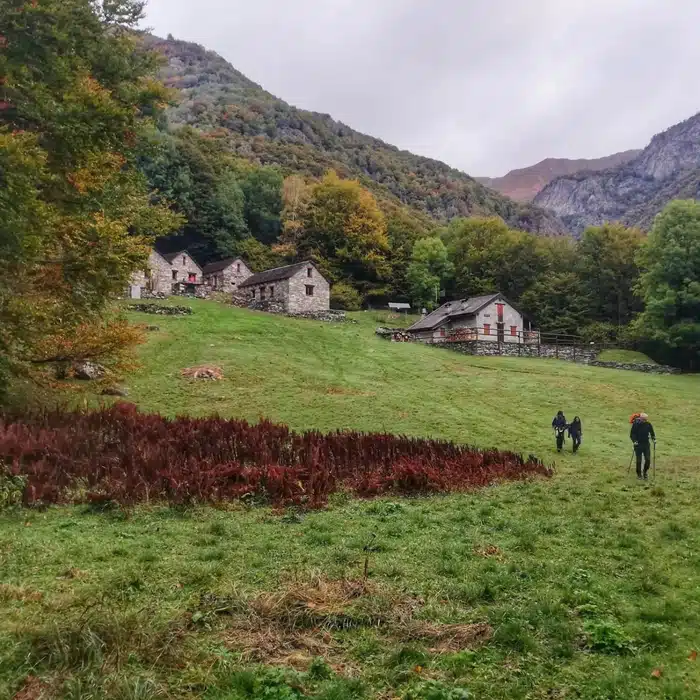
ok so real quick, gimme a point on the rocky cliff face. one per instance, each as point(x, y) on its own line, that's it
point(668, 168)
point(525, 183)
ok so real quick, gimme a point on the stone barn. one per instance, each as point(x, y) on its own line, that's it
point(226, 275)
point(297, 288)
point(489, 318)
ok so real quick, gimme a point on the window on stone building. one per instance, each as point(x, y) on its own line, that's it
point(309, 290)
point(272, 292)
point(262, 293)
point(184, 260)
point(309, 272)
point(487, 329)
point(175, 275)
point(514, 330)
point(192, 277)
point(238, 267)
point(253, 293)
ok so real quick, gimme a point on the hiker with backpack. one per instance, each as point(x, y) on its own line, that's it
point(559, 425)
point(576, 433)
point(640, 434)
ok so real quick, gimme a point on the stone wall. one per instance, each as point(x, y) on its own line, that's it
point(638, 367)
point(228, 279)
point(155, 281)
point(560, 352)
point(299, 301)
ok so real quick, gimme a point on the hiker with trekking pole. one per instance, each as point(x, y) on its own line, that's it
point(641, 432)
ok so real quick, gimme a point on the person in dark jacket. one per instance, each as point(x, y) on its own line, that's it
point(559, 425)
point(640, 434)
point(576, 433)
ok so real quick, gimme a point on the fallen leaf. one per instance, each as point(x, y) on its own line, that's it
point(418, 669)
point(657, 673)
point(693, 655)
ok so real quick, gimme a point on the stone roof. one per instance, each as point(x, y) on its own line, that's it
point(220, 265)
point(170, 257)
point(453, 309)
point(276, 274)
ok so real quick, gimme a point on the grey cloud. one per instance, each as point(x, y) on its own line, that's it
point(485, 85)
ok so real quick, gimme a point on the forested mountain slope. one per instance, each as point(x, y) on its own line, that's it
point(668, 168)
point(258, 126)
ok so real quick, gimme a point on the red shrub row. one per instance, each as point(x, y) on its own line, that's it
point(126, 456)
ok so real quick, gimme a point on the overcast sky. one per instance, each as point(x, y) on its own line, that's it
point(484, 85)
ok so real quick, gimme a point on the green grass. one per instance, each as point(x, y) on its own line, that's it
point(628, 356)
point(589, 581)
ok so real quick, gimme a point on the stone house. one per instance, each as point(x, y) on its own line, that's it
point(155, 279)
point(226, 275)
point(489, 318)
point(297, 288)
point(185, 274)
point(167, 274)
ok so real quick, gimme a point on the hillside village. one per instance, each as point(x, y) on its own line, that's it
point(295, 289)
point(290, 413)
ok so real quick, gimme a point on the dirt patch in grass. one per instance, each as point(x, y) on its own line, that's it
point(489, 551)
point(449, 638)
point(208, 372)
point(299, 622)
point(34, 689)
point(26, 595)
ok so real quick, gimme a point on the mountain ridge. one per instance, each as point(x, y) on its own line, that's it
point(634, 192)
point(523, 184)
point(222, 102)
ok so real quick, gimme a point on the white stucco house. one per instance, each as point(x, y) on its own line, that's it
point(489, 318)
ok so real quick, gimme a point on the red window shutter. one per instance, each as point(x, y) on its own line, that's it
point(500, 308)
point(487, 329)
point(514, 330)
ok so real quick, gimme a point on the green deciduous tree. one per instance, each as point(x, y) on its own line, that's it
point(490, 257)
point(429, 267)
point(76, 98)
point(670, 283)
point(557, 303)
point(198, 178)
point(609, 271)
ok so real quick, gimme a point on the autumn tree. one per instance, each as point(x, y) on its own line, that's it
point(76, 98)
point(295, 198)
point(670, 284)
point(344, 231)
point(429, 267)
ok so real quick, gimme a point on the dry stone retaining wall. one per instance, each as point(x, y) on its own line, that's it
point(491, 348)
point(638, 367)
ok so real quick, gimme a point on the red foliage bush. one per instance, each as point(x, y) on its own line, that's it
point(119, 454)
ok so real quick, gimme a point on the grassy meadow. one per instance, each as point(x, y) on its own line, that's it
point(585, 585)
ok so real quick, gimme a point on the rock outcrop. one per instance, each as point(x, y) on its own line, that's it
point(668, 168)
point(524, 184)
